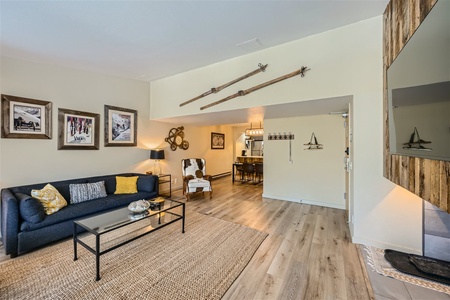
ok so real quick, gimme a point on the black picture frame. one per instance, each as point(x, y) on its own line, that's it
point(217, 141)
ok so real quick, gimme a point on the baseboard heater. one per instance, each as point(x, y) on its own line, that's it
point(221, 175)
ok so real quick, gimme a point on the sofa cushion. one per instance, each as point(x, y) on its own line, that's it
point(86, 191)
point(83, 209)
point(126, 185)
point(110, 184)
point(50, 198)
point(146, 183)
point(61, 186)
point(31, 210)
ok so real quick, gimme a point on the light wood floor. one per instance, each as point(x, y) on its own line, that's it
point(307, 255)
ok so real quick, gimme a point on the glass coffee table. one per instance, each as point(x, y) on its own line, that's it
point(113, 229)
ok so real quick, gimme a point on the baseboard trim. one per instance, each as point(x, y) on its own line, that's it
point(317, 203)
point(382, 245)
point(221, 175)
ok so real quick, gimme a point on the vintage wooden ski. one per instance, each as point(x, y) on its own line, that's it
point(260, 86)
point(261, 68)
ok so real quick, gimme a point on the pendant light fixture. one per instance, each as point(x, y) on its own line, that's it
point(254, 131)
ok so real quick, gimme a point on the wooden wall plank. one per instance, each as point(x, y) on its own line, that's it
point(412, 179)
point(404, 171)
point(395, 166)
point(445, 186)
point(435, 183)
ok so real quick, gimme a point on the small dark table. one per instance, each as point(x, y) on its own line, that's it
point(107, 222)
point(165, 178)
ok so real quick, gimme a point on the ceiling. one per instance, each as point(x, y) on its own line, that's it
point(148, 40)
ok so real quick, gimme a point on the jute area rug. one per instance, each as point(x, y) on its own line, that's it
point(202, 263)
point(376, 260)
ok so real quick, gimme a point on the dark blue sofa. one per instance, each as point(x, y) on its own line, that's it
point(20, 235)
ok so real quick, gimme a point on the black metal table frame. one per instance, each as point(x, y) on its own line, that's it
point(97, 235)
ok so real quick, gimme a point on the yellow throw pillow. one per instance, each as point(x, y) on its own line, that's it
point(126, 185)
point(50, 198)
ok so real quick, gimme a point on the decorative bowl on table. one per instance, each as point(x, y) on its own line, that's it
point(138, 206)
point(157, 203)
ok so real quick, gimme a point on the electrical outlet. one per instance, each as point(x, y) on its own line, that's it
point(175, 180)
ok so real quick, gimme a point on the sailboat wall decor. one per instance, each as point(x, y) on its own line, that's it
point(416, 143)
point(313, 144)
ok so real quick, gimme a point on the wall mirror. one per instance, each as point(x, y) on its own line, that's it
point(419, 90)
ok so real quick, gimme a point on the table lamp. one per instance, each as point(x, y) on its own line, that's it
point(157, 154)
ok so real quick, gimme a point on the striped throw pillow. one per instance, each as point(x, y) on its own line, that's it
point(86, 191)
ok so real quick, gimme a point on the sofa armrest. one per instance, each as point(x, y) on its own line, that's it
point(9, 221)
point(156, 183)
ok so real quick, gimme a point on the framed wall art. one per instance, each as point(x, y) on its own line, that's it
point(78, 130)
point(120, 126)
point(217, 140)
point(24, 118)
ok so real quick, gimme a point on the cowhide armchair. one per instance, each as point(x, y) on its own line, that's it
point(194, 177)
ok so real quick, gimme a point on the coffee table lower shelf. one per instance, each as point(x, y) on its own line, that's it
point(103, 223)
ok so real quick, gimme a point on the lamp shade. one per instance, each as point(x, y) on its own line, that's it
point(157, 154)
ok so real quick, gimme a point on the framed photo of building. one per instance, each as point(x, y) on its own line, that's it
point(120, 126)
point(24, 118)
point(217, 140)
point(78, 130)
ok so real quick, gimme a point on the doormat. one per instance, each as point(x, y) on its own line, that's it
point(376, 260)
point(420, 266)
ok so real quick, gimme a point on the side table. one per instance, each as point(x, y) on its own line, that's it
point(163, 179)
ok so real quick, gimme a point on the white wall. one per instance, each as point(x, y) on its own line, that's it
point(27, 161)
point(314, 176)
point(345, 61)
point(239, 141)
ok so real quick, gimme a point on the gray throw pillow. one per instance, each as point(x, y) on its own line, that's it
point(86, 191)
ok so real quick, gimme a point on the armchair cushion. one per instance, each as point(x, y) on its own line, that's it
point(193, 184)
point(190, 166)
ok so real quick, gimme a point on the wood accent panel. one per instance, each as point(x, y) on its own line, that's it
point(427, 178)
point(401, 19)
